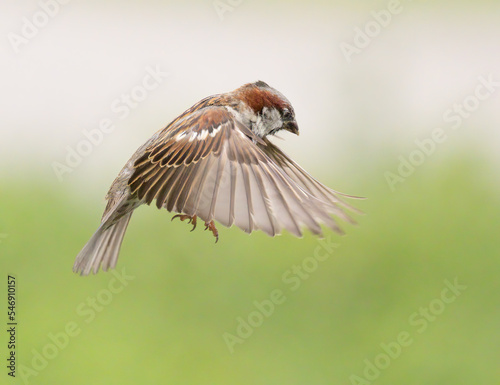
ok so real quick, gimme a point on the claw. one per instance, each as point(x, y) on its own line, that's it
point(211, 226)
point(183, 217)
point(193, 220)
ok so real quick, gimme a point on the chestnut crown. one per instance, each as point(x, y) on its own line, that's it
point(272, 110)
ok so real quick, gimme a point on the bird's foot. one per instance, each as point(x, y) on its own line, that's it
point(193, 220)
point(211, 226)
point(183, 217)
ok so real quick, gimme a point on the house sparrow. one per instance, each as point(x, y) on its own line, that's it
point(215, 162)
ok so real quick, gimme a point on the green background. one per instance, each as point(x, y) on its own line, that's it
point(167, 324)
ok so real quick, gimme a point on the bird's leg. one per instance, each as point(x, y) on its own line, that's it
point(211, 226)
point(183, 217)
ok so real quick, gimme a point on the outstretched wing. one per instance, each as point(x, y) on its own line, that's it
point(209, 165)
point(306, 181)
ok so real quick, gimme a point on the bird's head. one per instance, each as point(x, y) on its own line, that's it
point(267, 110)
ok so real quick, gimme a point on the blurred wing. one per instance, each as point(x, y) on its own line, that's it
point(209, 165)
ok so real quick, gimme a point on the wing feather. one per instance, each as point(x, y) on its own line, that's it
point(220, 167)
point(248, 194)
point(302, 177)
point(285, 214)
point(268, 225)
point(234, 176)
point(171, 176)
point(209, 165)
point(150, 191)
point(187, 187)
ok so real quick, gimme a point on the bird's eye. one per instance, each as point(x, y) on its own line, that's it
point(287, 115)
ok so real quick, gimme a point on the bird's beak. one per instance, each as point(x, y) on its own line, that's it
point(291, 126)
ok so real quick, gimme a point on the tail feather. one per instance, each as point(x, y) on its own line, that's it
point(102, 249)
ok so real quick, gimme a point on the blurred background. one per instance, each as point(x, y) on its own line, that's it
point(396, 101)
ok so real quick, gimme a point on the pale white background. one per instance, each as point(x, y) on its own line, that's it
point(350, 114)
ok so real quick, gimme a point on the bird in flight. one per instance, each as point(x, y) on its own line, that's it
point(215, 163)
